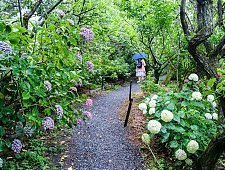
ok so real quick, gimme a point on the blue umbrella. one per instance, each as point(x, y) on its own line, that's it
point(139, 55)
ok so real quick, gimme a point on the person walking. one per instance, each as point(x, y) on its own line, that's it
point(140, 69)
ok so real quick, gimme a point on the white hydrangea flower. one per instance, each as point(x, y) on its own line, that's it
point(152, 103)
point(154, 126)
point(168, 102)
point(151, 111)
point(144, 112)
point(142, 106)
point(192, 146)
point(180, 154)
point(1, 162)
point(208, 116)
point(215, 116)
point(71, 22)
point(193, 77)
point(210, 98)
point(154, 97)
point(166, 115)
point(188, 161)
point(214, 104)
point(145, 138)
point(197, 95)
point(147, 100)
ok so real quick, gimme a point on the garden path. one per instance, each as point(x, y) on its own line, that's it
point(102, 143)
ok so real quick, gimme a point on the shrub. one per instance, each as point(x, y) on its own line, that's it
point(185, 117)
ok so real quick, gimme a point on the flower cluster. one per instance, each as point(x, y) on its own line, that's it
point(90, 66)
point(193, 77)
point(180, 154)
point(88, 114)
point(166, 115)
point(154, 126)
point(215, 116)
point(61, 13)
point(197, 95)
point(192, 146)
point(59, 111)
point(87, 34)
point(1, 162)
point(79, 57)
point(188, 161)
point(145, 138)
point(71, 22)
point(16, 146)
point(211, 99)
point(142, 106)
point(48, 123)
point(80, 122)
point(5, 48)
point(80, 83)
point(89, 102)
point(208, 116)
point(48, 85)
point(73, 89)
point(28, 131)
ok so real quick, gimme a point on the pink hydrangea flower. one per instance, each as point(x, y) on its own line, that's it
point(88, 114)
point(89, 102)
point(80, 122)
point(73, 89)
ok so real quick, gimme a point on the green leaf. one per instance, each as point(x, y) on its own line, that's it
point(211, 82)
point(8, 29)
point(26, 95)
point(2, 131)
point(173, 144)
point(171, 106)
point(165, 137)
point(2, 27)
point(176, 118)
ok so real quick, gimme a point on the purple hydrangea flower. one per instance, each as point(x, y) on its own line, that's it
point(16, 146)
point(90, 66)
point(80, 122)
point(80, 83)
point(61, 13)
point(89, 102)
point(59, 110)
point(48, 85)
point(19, 125)
point(87, 34)
point(28, 131)
point(88, 114)
point(48, 123)
point(79, 57)
point(5, 48)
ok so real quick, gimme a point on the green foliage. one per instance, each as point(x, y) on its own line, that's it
point(148, 85)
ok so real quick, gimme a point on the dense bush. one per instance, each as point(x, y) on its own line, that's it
point(180, 120)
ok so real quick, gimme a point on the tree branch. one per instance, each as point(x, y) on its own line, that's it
point(183, 18)
point(20, 11)
point(217, 49)
point(48, 12)
point(29, 15)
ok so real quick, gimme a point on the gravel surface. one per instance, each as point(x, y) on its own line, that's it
point(102, 143)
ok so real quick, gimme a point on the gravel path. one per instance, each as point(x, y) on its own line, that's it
point(102, 143)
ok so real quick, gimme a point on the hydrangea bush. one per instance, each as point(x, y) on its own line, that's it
point(183, 121)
